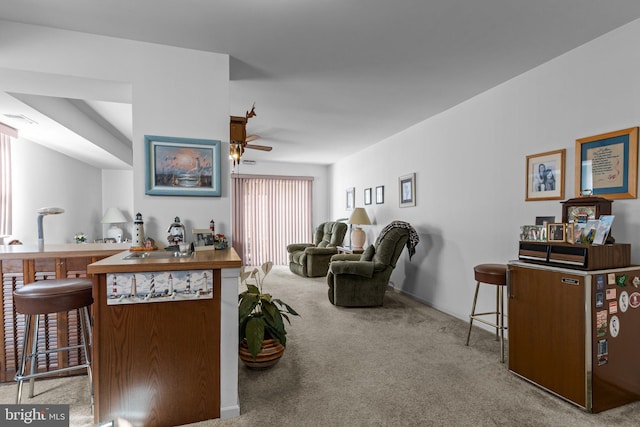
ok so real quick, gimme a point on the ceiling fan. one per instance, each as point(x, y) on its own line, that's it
point(239, 140)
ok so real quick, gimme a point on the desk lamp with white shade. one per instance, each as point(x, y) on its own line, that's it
point(358, 236)
point(41, 214)
point(114, 217)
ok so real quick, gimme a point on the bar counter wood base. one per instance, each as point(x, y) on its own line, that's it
point(21, 265)
point(166, 363)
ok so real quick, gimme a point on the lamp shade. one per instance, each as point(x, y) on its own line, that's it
point(360, 217)
point(113, 216)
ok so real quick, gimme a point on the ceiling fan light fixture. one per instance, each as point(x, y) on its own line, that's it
point(235, 152)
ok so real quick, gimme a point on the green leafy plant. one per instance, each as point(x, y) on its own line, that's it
point(261, 316)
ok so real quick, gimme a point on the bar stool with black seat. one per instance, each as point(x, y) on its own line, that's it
point(48, 297)
point(496, 275)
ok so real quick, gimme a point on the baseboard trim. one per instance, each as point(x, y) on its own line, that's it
point(229, 412)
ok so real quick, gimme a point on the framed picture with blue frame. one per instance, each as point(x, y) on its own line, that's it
point(182, 166)
point(607, 165)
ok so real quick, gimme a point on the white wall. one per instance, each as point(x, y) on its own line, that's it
point(117, 192)
point(46, 178)
point(175, 92)
point(470, 166)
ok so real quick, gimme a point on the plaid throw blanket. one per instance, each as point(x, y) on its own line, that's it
point(413, 236)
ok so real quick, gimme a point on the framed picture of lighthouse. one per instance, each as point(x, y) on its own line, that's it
point(182, 166)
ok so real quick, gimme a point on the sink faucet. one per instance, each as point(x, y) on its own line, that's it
point(41, 213)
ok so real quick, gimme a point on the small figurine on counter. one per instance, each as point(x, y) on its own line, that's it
point(149, 243)
point(212, 226)
point(221, 241)
point(176, 232)
point(138, 232)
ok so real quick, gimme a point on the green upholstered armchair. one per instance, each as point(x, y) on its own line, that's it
point(361, 280)
point(312, 259)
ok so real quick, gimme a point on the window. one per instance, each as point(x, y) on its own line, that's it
point(270, 212)
point(6, 133)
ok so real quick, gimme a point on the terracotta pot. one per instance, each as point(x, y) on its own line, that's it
point(269, 354)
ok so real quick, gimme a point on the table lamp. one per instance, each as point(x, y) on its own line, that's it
point(113, 216)
point(41, 214)
point(358, 236)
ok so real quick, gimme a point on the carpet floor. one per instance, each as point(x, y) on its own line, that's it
point(403, 364)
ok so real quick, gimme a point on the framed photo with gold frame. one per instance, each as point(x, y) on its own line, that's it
point(569, 232)
point(545, 176)
point(556, 232)
point(607, 165)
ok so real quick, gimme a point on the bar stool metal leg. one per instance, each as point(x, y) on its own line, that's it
point(86, 341)
point(473, 311)
point(23, 358)
point(34, 353)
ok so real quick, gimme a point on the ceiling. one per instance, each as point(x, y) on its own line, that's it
point(332, 77)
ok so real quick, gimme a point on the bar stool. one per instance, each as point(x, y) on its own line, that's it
point(47, 297)
point(491, 274)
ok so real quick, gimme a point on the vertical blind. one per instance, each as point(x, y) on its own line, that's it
point(6, 133)
point(270, 212)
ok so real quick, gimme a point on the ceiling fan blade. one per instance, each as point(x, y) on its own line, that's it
point(258, 147)
point(251, 138)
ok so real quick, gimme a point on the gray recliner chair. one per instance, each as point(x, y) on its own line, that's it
point(312, 259)
point(361, 280)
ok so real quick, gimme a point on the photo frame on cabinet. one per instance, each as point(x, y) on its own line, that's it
point(556, 232)
point(379, 194)
point(182, 166)
point(607, 165)
point(351, 198)
point(367, 196)
point(203, 239)
point(545, 176)
point(407, 190)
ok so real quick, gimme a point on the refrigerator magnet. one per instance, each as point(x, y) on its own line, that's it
point(614, 326)
point(624, 301)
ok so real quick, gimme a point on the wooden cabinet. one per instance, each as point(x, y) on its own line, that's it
point(546, 330)
point(161, 361)
point(575, 333)
point(21, 265)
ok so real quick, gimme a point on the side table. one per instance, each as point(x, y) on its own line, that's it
point(349, 250)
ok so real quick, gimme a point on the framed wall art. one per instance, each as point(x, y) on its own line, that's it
point(182, 166)
point(351, 198)
point(545, 176)
point(407, 190)
point(607, 165)
point(380, 194)
point(367, 196)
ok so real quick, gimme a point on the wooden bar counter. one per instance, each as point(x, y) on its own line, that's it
point(165, 337)
point(24, 264)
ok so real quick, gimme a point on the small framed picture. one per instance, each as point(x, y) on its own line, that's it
point(407, 190)
point(545, 176)
point(367, 196)
point(544, 220)
point(569, 230)
point(533, 233)
point(203, 239)
point(379, 194)
point(556, 232)
point(351, 198)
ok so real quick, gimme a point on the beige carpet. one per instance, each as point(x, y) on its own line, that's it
point(403, 364)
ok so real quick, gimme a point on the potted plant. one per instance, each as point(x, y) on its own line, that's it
point(261, 317)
